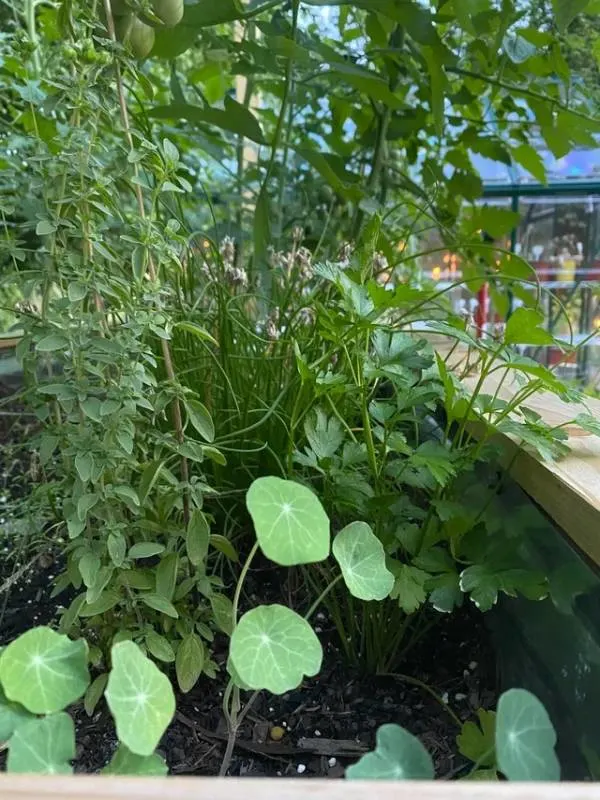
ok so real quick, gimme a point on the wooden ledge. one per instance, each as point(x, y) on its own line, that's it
point(83, 787)
point(568, 489)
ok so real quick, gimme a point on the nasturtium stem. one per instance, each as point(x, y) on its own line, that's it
point(322, 596)
point(240, 583)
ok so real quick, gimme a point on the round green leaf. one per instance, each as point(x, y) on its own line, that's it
point(273, 648)
point(290, 522)
point(140, 698)
point(44, 746)
point(11, 715)
point(361, 557)
point(44, 671)
point(124, 762)
point(525, 738)
point(398, 756)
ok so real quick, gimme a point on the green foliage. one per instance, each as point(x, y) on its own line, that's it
point(273, 648)
point(140, 699)
point(44, 671)
point(53, 674)
point(290, 523)
point(203, 326)
point(361, 557)
point(525, 738)
point(518, 741)
point(398, 756)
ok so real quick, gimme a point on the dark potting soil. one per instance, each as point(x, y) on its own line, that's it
point(323, 726)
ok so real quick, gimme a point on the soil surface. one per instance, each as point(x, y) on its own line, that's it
point(320, 728)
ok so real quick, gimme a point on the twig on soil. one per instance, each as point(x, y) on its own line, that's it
point(275, 750)
point(426, 688)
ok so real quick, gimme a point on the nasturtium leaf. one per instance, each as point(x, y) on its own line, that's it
point(200, 419)
point(11, 715)
point(274, 648)
point(235, 677)
point(44, 671)
point(189, 662)
point(140, 698)
point(398, 756)
point(45, 746)
point(290, 522)
point(525, 738)
point(124, 762)
point(361, 557)
point(197, 537)
point(477, 741)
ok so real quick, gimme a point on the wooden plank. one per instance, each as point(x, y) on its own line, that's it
point(22, 787)
point(568, 489)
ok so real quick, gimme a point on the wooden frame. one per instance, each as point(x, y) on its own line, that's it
point(81, 787)
point(568, 490)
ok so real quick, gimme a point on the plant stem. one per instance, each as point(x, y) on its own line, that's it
point(426, 688)
point(33, 37)
point(166, 350)
point(321, 597)
point(240, 583)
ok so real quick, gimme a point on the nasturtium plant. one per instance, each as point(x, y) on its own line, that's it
point(361, 557)
point(525, 738)
point(124, 762)
point(44, 671)
point(140, 698)
point(518, 741)
point(11, 715)
point(139, 695)
point(45, 745)
point(398, 756)
point(274, 648)
point(291, 524)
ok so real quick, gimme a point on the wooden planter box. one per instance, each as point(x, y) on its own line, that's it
point(23, 787)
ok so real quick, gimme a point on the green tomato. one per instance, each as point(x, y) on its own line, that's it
point(169, 11)
point(141, 38)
